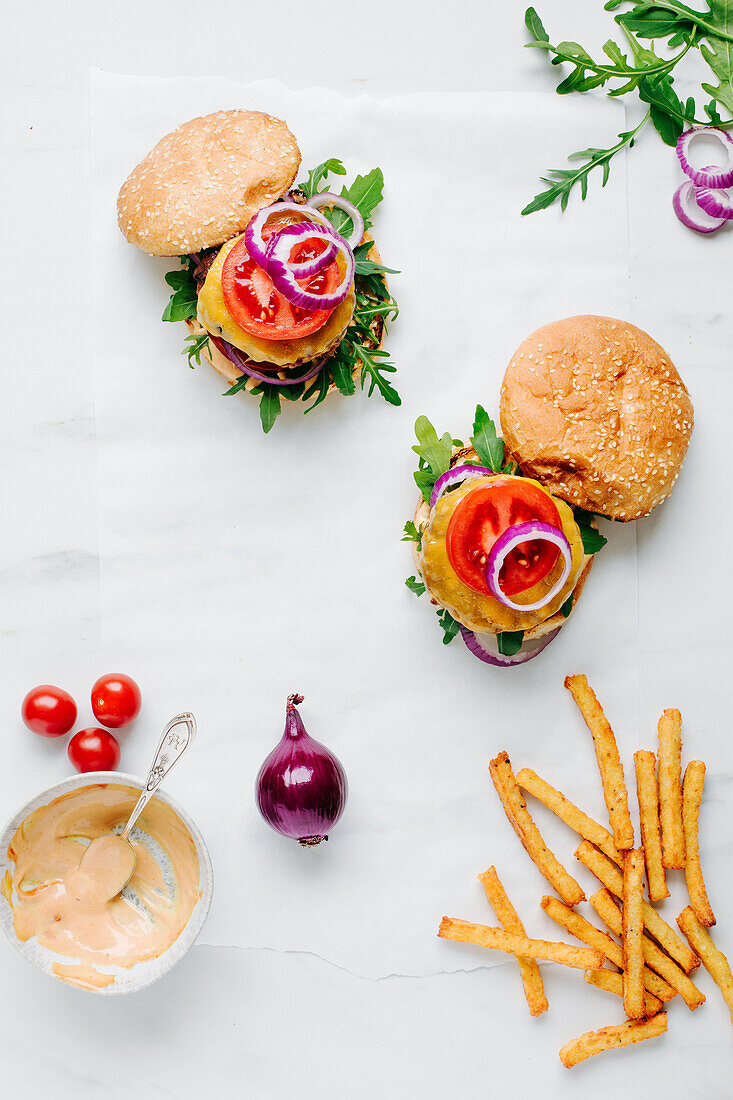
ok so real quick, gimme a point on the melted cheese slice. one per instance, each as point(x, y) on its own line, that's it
point(216, 318)
point(476, 610)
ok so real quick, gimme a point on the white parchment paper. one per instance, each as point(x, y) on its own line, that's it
point(238, 568)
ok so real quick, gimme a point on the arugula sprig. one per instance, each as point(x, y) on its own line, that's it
point(643, 72)
point(183, 300)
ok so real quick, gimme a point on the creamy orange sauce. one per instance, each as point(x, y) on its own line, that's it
point(63, 905)
point(82, 974)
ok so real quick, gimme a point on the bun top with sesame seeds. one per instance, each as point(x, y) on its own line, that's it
point(205, 181)
point(594, 409)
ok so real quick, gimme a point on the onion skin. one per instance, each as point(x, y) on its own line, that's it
point(301, 788)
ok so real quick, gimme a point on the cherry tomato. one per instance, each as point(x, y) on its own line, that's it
point(94, 750)
point(116, 700)
point(261, 310)
point(49, 711)
point(484, 514)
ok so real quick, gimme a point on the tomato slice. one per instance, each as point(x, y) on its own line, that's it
point(484, 514)
point(259, 308)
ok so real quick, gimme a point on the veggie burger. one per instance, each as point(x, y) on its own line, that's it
point(281, 286)
point(596, 422)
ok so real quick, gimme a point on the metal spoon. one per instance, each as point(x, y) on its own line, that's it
point(109, 861)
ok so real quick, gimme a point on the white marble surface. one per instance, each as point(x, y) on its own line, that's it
point(265, 1021)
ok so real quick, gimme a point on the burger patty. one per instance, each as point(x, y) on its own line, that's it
point(202, 269)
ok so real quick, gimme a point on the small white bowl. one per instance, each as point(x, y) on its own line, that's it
point(127, 979)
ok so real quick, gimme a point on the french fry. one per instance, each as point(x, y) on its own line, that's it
point(609, 761)
point(646, 792)
point(632, 932)
point(534, 989)
point(609, 1038)
point(612, 879)
point(654, 957)
point(669, 728)
point(712, 957)
point(519, 818)
point(613, 982)
point(583, 930)
point(691, 799)
point(563, 808)
point(462, 931)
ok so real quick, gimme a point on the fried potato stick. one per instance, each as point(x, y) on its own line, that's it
point(563, 808)
point(521, 821)
point(609, 1038)
point(612, 879)
point(496, 895)
point(691, 799)
point(712, 957)
point(646, 792)
point(462, 931)
point(609, 761)
point(608, 911)
point(583, 930)
point(632, 933)
point(613, 982)
point(669, 728)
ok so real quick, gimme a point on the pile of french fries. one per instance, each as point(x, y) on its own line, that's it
point(652, 963)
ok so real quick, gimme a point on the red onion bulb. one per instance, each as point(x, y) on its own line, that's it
point(301, 788)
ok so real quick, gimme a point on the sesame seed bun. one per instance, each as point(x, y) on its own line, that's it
point(594, 409)
point(205, 181)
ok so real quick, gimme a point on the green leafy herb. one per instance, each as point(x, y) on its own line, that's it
point(434, 454)
point(567, 607)
point(412, 533)
point(509, 642)
point(183, 300)
point(645, 72)
point(196, 346)
point(487, 444)
point(415, 586)
point(269, 405)
point(315, 178)
point(593, 540)
point(449, 625)
point(561, 180)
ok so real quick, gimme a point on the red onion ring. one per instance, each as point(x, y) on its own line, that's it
point(715, 201)
point(486, 648)
point(328, 198)
point(455, 477)
point(685, 197)
point(281, 244)
point(716, 175)
point(240, 361)
point(256, 246)
point(284, 279)
point(534, 531)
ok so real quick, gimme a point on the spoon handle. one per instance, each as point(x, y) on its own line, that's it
point(171, 748)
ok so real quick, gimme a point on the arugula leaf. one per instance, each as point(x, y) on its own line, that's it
point(487, 444)
point(412, 533)
point(449, 626)
point(365, 193)
point(562, 181)
point(425, 482)
point(435, 452)
point(333, 166)
point(343, 375)
point(197, 345)
point(183, 300)
point(593, 540)
point(509, 642)
point(567, 607)
point(415, 586)
point(269, 405)
point(719, 54)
